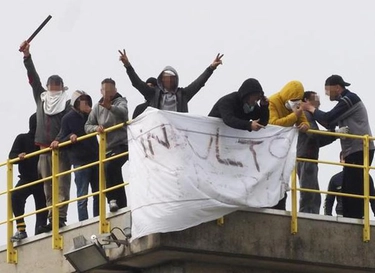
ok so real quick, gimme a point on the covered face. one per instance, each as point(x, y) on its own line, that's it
point(168, 80)
point(250, 93)
point(291, 94)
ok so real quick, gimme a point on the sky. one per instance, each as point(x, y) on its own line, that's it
point(270, 40)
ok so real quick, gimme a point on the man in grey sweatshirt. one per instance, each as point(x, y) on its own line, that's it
point(112, 109)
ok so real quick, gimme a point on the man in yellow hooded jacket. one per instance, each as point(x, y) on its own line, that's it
point(285, 111)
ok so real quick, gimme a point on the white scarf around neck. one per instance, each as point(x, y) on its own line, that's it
point(54, 102)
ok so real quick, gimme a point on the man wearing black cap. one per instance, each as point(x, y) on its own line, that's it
point(151, 82)
point(240, 110)
point(51, 105)
point(349, 111)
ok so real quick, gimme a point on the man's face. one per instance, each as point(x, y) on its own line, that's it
point(253, 99)
point(84, 106)
point(169, 81)
point(54, 87)
point(332, 91)
point(150, 84)
point(108, 89)
point(314, 100)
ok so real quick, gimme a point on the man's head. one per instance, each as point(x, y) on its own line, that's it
point(108, 87)
point(169, 80)
point(312, 98)
point(55, 83)
point(250, 93)
point(81, 101)
point(334, 86)
point(152, 82)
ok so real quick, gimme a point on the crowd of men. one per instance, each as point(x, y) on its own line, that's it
point(59, 118)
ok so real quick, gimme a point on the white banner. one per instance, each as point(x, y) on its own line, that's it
point(187, 169)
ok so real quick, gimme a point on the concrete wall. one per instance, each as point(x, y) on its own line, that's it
point(257, 241)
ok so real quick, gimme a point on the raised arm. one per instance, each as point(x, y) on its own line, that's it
point(33, 76)
point(147, 91)
point(196, 85)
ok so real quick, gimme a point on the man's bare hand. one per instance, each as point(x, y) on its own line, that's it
point(255, 126)
point(25, 48)
point(264, 101)
point(106, 103)
point(298, 111)
point(306, 106)
point(124, 58)
point(21, 156)
point(217, 61)
point(73, 138)
point(100, 129)
point(54, 144)
point(303, 128)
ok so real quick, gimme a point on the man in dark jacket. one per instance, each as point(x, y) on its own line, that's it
point(349, 111)
point(167, 95)
point(51, 105)
point(82, 152)
point(152, 82)
point(240, 110)
point(28, 172)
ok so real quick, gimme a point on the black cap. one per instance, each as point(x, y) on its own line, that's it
point(152, 80)
point(56, 80)
point(336, 80)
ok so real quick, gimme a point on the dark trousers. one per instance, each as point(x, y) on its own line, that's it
point(282, 203)
point(19, 200)
point(353, 182)
point(113, 176)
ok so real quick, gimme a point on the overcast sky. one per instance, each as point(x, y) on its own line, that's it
point(273, 41)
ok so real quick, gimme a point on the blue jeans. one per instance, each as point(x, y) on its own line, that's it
point(83, 178)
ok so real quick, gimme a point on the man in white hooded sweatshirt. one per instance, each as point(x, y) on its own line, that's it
point(52, 104)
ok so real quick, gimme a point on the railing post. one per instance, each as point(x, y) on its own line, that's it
point(57, 240)
point(366, 191)
point(294, 225)
point(104, 225)
point(12, 256)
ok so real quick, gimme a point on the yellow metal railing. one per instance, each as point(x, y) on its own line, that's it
point(57, 239)
point(366, 168)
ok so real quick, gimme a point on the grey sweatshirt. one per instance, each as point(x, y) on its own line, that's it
point(107, 118)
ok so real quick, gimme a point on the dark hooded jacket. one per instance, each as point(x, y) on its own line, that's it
point(155, 94)
point(82, 152)
point(24, 143)
point(230, 107)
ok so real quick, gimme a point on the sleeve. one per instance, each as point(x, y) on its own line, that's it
point(65, 132)
point(34, 79)
point(264, 115)
point(275, 119)
point(147, 91)
point(330, 199)
point(17, 147)
point(328, 118)
point(196, 85)
point(228, 115)
point(92, 124)
point(120, 110)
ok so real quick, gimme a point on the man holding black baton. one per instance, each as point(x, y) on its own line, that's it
point(52, 104)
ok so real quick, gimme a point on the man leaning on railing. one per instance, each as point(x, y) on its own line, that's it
point(349, 111)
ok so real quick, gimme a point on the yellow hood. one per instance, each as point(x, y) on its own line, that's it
point(279, 114)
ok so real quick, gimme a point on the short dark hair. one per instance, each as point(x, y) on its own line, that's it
point(109, 80)
point(307, 95)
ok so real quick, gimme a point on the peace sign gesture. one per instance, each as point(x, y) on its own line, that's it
point(217, 61)
point(123, 58)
